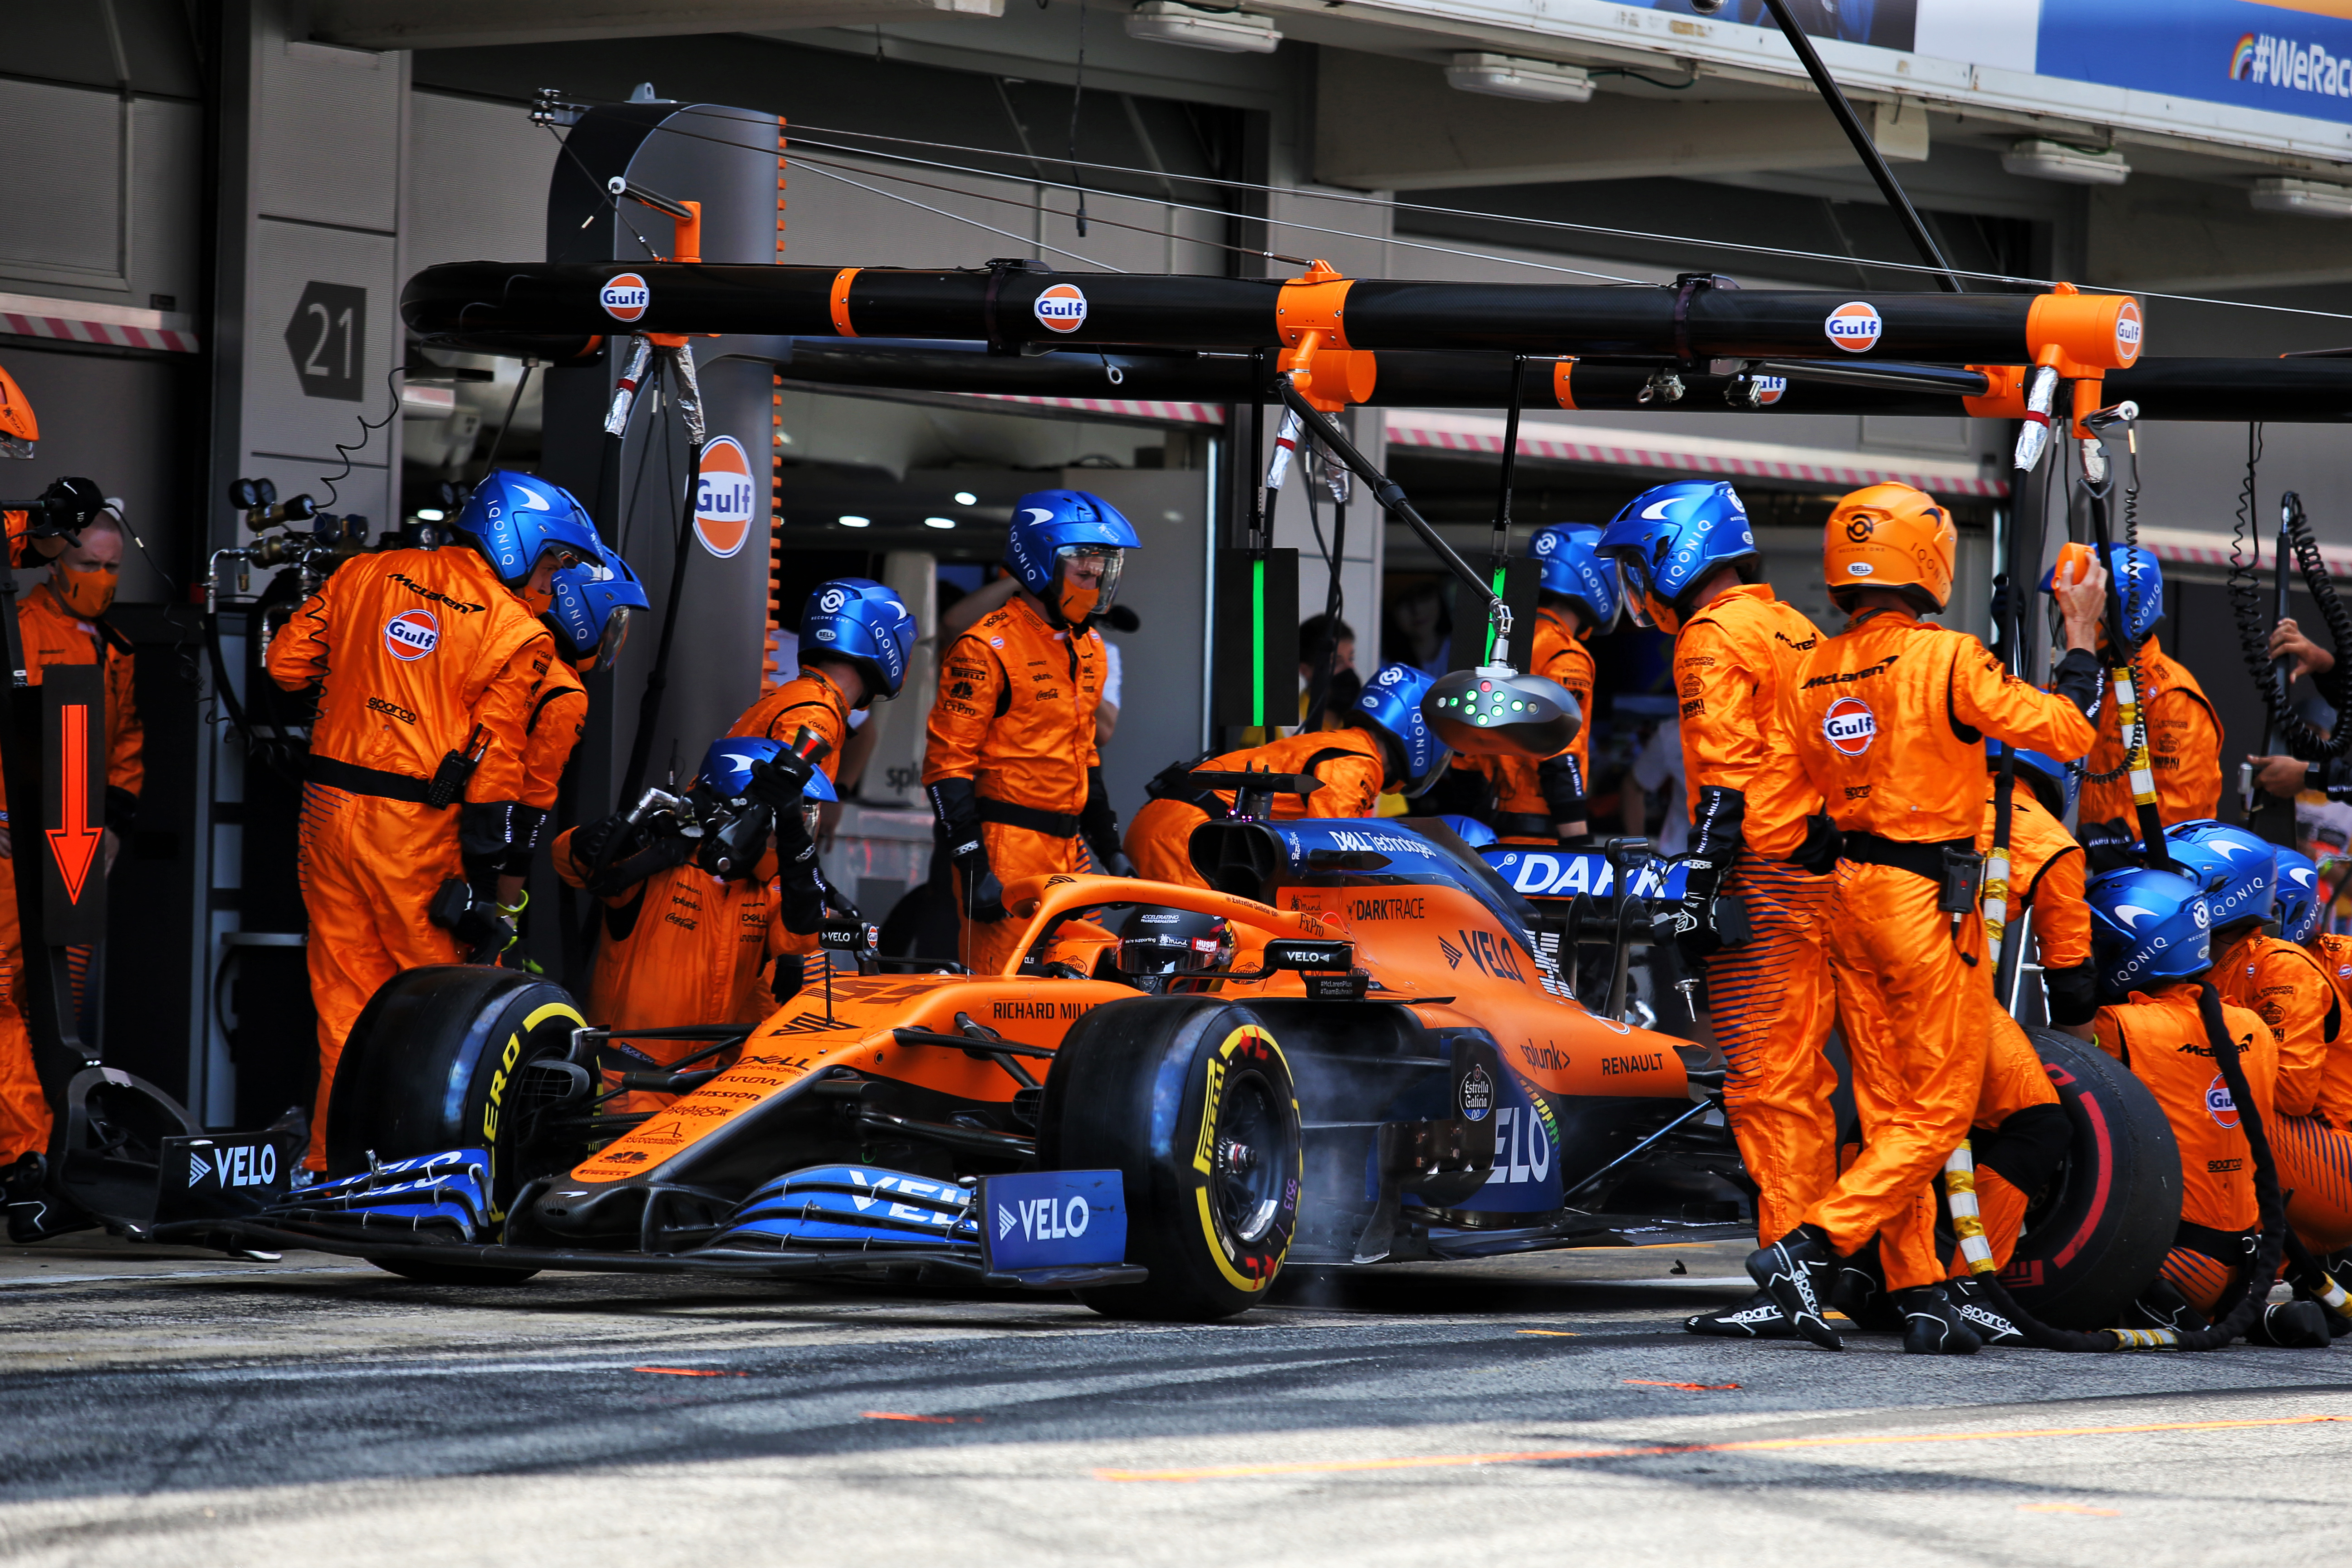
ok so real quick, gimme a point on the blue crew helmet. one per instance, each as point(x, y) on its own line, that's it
point(516, 519)
point(2298, 896)
point(2054, 783)
point(2139, 586)
point(865, 622)
point(727, 772)
point(1672, 538)
point(2237, 870)
point(1390, 709)
point(1065, 547)
point(591, 609)
point(1569, 560)
point(1469, 829)
point(2148, 928)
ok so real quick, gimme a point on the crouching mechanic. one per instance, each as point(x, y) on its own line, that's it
point(688, 922)
point(1542, 802)
point(2150, 934)
point(1888, 719)
point(61, 623)
point(1690, 566)
point(426, 662)
point(1010, 762)
point(856, 637)
point(1383, 745)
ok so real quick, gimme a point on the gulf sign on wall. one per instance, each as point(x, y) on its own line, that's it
point(724, 497)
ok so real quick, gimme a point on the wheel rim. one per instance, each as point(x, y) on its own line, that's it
point(1253, 1160)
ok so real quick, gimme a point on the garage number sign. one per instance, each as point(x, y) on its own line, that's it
point(328, 338)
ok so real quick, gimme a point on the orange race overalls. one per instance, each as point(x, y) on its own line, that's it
point(1770, 1002)
point(811, 701)
point(2289, 989)
point(1013, 726)
point(1531, 796)
point(2184, 747)
point(559, 716)
point(417, 653)
point(1349, 760)
point(2019, 1132)
point(680, 947)
point(1889, 720)
point(2161, 1038)
point(2299, 993)
point(54, 635)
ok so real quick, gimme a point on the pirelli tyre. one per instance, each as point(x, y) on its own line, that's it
point(2097, 1231)
point(433, 1064)
point(1191, 1100)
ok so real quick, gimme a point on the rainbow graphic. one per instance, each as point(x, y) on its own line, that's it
point(2242, 58)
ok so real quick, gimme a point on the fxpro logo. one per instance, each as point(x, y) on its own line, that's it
point(2268, 61)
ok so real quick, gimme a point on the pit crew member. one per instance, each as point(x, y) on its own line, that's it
point(1542, 802)
point(2184, 735)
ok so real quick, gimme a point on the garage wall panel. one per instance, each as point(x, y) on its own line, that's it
point(67, 202)
point(477, 175)
point(315, 158)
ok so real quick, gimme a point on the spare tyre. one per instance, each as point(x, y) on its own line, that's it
point(2097, 1231)
point(435, 1062)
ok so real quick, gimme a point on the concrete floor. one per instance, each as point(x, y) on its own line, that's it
point(171, 1408)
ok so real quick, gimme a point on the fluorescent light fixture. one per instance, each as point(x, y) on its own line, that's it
point(2310, 198)
point(965, 497)
point(429, 514)
point(2039, 159)
point(938, 522)
point(1227, 32)
point(851, 519)
point(1508, 76)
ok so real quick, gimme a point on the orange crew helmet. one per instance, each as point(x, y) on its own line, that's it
point(18, 428)
point(1891, 536)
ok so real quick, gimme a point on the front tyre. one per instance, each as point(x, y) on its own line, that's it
point(1191, 1101)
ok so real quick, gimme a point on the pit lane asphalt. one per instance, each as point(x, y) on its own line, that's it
point(168, 1409)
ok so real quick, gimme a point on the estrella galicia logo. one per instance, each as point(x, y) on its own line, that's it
point(1475, 1093)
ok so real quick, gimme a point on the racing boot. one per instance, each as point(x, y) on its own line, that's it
point(1858, 1288)
point(1975, 1304)
point(1796, 1272)
point(1756, 1318)
point(2162, 1306)
point(2290, 1325)
point(1932, 1325)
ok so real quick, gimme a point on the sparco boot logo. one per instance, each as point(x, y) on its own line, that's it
point(1850, 725)
point(410, 635)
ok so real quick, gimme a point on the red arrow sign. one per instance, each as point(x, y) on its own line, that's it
point(75, 844)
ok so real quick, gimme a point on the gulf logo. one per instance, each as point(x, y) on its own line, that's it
point(410, 635)
point(2128, 331)
point(723, 493)
point(1770, 389)
point(626, 298)
point(1854, 327)
point(1850, 726)
point(1061, 308)
point(2220, 1106)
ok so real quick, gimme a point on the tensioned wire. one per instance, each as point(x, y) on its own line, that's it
point(814, 134)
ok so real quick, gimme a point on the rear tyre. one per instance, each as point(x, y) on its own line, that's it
point(1191, 1101)
point(2098, 1230)
point(453, 1273)
point(435, 1063)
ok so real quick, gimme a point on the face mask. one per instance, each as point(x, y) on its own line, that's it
point(86, 594)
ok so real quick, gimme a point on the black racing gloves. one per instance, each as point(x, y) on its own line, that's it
point(1562, 784)
point(487, 830)
point(1817, 855)
point(956, 805)
point(2073, 995)
point(1099, 823)
point(530, 822)
point(1714, 844)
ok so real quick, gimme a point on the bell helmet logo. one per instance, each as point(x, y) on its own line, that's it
point(2220, 1106)
point(1850, 726)
point(1854, 327)
point(1061, 308)
point(2128, 331)
point(410, 635)
point(626, 298)
point(722, 498)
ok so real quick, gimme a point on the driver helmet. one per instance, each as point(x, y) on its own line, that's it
point(1055, 530)
point(1670, 539)
point(1156, 945)
point(1569, 561)
point(2148, 928)
point(1390, 709)
point(858, 620)
point(2237, 870)
point(514, 520)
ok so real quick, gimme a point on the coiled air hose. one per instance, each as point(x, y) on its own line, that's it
point(2301, 739)
point(2256, 1280)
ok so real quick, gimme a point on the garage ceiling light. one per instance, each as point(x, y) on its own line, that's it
point(1506, 76)
point(938, 522)
point(2310, 198)
point(851, 519)
point(1227, 32)
point(965, 497)
point(2039, 159)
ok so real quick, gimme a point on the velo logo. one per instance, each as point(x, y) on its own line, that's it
point(1854, 327)
point(410, 635)
point(1850, 726)
point(723, 494)
point(1061, 308)
point(626, 298)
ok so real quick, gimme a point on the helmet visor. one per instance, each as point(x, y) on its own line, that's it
point(1633, 587)
point(1086, 579)
point(15, 446)
point(615, 637)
